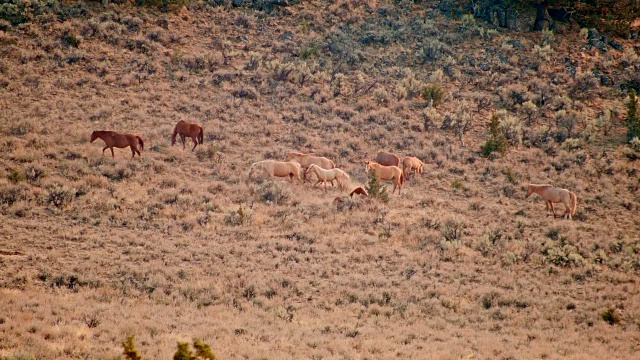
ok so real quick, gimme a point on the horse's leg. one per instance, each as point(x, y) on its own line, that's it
point(552, 209)
point(195, 142)
point(112, 154)
point(567, 211)
point(182, 138)
point(105, 148)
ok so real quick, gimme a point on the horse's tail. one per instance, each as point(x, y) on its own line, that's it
point(201, 135)
point(574, 202)
point(140, 142)
point(401, 176)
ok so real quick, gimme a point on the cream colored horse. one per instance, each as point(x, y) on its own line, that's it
point(276, 168)
point(412, 163)
point(305, 160)
point(551, 194)
point(382, 172)
point(329, 175)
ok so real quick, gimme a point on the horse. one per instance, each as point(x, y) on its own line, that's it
point(192, 130)
point(382, 172)
point(305, 160)
point(277, 168)
point(360, 191)
point(412, 163)
point(113, 139)
point(387, 159)
point(551, 194)
point(324, 175)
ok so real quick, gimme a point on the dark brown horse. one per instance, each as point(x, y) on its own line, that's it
point(387, 159)
point(192, 130)
point(113, 139)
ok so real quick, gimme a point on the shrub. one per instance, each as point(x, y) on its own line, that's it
point(583, 86)
point(202, 351)
point(271, 192)
point(633, 116)
point(238, 217)
point(433, 50)
point(497, 142)
point(164, 5)
point(376, 189)
point(381, 96)
point(16, 176)
point(129, 349)
point(433, 94)
point(59, 195)
point(452, 230)
point(610, 316)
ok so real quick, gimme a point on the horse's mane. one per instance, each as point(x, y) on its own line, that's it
point(295, 153)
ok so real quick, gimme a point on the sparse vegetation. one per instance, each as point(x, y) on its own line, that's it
point(98, 246)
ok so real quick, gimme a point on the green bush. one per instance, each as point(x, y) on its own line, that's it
point(633, 116)
point(16, 176)
point(130, 352)
point(610, 316)
point(19, 11)
point(376, 189)
point(202, 351)
point(497, 143)
point(433, 93)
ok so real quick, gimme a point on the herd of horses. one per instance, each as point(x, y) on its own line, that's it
point(385, 166)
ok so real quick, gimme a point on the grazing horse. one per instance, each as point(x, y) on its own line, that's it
point(412, 163)
point(382, 172)
point(305, 160)
point(387, 159)
point(113, 139)
point(276, 168)
point(192, 130)
point(360, 191)
point(328, 175)
point(552, 195)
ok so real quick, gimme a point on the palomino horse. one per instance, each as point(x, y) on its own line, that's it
point(328, 175)
point(412, 163)
point(113, 139)
point(552, 195)
point(387, 159)
point(192, 130)
point(305, 160)
point(387, 173)
point(276, 168)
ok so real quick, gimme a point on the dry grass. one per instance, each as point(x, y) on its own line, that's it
point(179, 245)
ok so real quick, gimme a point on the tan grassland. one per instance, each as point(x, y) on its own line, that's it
point(178, 245)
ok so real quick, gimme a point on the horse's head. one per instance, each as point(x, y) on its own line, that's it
point(292, 155)
point(367, 166)
point(529, 191)
point(94, 136)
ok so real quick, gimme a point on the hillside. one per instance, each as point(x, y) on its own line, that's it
point(177, 245)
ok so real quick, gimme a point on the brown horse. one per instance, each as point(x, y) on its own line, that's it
point(113, 139)
point(387, 159)
point(382, 172)
point(192, 130)
point(552, 195)
point(360, 191)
